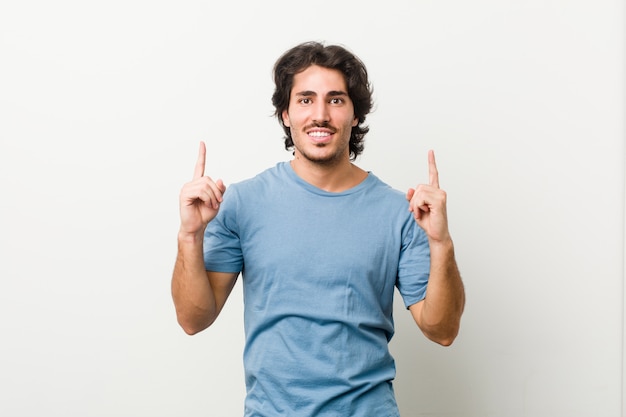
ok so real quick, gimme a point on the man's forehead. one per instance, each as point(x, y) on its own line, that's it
point(316, 80)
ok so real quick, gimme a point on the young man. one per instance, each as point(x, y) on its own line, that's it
point(320, 244)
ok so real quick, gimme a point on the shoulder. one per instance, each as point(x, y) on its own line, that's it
point(265, 183)
point(264, 178)
point(395, 204)
point(382, 189)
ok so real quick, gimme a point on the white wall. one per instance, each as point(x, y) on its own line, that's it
point(102, 105)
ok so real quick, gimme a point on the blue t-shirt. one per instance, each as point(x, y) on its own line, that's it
point(318, 271)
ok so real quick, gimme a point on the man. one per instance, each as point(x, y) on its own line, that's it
point(321, 244)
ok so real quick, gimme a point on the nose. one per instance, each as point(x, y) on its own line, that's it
point(320, 112)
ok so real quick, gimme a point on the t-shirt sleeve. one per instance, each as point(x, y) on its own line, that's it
point(222, 247)
point(414, 265)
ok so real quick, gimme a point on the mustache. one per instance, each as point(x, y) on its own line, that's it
point(323, 125)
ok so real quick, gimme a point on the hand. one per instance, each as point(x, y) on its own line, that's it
point(428, 205)
point(199, 199)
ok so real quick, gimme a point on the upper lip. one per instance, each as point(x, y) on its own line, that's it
point(320, 129)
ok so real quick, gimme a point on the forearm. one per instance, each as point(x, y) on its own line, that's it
point(439, 316)
point(191, 289)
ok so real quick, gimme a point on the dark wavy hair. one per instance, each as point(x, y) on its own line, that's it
point(302, 56)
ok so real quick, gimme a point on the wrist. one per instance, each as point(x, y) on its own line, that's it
point(441, 246)
point(190, 237)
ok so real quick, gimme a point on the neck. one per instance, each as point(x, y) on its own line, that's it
point(335, 177)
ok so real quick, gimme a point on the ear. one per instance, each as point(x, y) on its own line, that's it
point(355, 121)
point(285, 116)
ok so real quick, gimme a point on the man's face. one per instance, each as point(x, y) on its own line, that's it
point(320, 115)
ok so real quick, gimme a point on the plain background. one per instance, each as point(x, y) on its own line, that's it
point(102, 106)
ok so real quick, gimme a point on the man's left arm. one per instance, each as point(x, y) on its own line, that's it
point(438, 315)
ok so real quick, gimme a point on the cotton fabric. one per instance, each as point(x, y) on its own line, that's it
point(318, 271)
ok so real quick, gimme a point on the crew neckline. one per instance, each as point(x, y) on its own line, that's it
point(314, 189)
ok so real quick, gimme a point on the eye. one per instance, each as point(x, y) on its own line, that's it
point(336, 100)
point(304, 100)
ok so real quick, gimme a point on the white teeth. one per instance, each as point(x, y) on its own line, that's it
point(319, 134)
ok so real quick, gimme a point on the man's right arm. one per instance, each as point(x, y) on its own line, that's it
point(198, 295)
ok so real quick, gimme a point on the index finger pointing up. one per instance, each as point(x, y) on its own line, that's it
point(199, 170)
point(433, 174)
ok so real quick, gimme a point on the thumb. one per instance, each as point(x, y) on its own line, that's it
point(409, 194)
point(220, 185)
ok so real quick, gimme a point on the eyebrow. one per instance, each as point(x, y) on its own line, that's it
point(332, 93)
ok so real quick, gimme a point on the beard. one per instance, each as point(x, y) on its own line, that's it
point(326, 158)
point(325, 154)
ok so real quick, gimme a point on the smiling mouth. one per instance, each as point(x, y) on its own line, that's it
point(318, 134)
point(320, 137)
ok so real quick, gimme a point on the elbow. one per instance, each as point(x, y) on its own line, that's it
point(444, 340)
point(443, 335)
point(191, 330)
point(441, 328)
point(193, 325)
